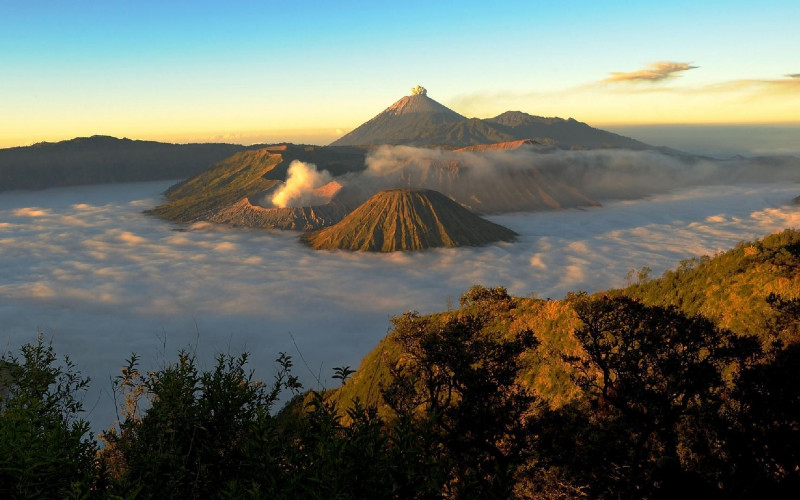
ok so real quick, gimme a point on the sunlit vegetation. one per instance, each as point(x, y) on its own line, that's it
point(623, 394)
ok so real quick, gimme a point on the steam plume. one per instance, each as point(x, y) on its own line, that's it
point(301, 180)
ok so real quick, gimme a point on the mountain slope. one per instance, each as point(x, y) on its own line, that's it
point(730, 289)
point(408, 219)
point(418, 120)
point(566, 133)
point(227, 192)
point(227, 182)
point(400, 122)
point(102, 159)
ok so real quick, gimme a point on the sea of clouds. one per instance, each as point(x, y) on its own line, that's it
point(102, 280)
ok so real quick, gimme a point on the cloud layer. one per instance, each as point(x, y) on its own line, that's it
point(85, 266)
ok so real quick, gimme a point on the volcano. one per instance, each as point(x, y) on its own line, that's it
point(401, 122)
point(408, 219)
point(418, 120)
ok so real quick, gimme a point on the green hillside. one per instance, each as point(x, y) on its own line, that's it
point(731, 289)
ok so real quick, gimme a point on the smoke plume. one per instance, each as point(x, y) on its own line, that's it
point(301, 181)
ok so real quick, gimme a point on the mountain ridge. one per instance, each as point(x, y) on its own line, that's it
point(418, 120)
point(101, 159)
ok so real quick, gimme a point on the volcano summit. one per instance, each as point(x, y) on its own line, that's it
point(402, 122)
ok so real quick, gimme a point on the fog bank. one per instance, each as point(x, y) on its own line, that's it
point(86, 267)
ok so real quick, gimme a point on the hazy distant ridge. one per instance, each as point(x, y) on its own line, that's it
point(103, 159)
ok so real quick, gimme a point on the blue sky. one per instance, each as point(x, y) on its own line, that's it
point(255, 71)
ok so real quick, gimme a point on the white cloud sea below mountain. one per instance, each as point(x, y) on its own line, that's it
point(87, 268)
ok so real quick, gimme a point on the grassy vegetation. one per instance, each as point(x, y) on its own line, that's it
point(730, 288)
point(624, 394)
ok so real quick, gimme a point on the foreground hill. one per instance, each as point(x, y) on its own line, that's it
point(408, 219)
point(102, 159)
point(418, 120)
point(731, 289)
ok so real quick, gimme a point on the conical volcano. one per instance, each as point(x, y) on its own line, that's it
point(418, 120)
point(401, 122)
point(408, 219)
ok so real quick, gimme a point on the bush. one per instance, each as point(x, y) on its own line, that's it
point(45, 451)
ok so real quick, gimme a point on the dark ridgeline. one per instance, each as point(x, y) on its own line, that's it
point(103, 159)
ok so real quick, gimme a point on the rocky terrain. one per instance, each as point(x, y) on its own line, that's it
point(408, 219)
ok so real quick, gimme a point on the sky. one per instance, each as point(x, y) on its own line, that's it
point(101, 280)
point(306, 71)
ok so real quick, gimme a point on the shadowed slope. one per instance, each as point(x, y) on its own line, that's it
point(102, 159)
point(568, 133)
point(408, 219)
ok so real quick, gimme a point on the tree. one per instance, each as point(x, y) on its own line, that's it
point(457, 380)
point(661, 373)
point(196, 426)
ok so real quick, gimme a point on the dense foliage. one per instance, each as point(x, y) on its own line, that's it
point(606, 396)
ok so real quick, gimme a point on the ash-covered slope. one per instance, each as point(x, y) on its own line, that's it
point(225, 193)
point(408, 219)
point(401, 122)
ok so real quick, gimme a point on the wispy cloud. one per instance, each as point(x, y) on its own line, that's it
point(790, 83)
point(656, 72)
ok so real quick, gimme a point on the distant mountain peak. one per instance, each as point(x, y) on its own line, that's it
point(418, 120)
point(401, 121)
point(421, 103)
